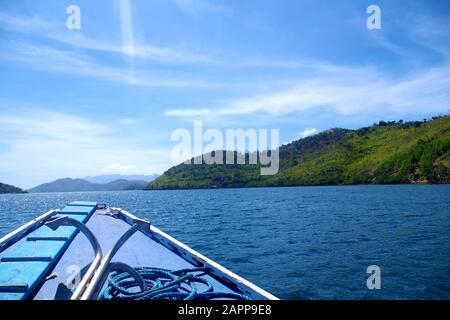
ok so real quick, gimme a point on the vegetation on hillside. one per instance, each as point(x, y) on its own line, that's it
point(385, 153)
point(6, 188)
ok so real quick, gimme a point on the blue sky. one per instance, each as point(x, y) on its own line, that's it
point(106, 98)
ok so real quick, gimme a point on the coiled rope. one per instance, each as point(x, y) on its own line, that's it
point(164, 284)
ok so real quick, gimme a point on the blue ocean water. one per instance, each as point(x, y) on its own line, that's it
point(297, 243)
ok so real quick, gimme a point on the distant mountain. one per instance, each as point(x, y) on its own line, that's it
point(107, 178)
point(124, 184)
point(6, 188)
point(79, 185)
point(387, 152)
point(64, 185)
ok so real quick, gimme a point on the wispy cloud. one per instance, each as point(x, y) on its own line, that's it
point(28, 24)
point(126, 46)
point(48, 59)
point(345, 94)
point(432, 32)
point(40, 146)
point(126, 26)
point(127, 121)
point(56, 127)
point(118, 168)
point(198, 6)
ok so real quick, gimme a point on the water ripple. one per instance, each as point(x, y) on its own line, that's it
point(298, 243)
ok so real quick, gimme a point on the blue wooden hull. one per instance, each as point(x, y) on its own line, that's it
point(37, 262)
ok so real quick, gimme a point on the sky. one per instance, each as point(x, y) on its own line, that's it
point(106, 98)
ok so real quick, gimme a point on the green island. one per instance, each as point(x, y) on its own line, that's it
point(394, 152)
point(6, 188)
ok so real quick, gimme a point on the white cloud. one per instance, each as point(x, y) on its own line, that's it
point(307, 132)
point(48, 59)
point(197, 6)
point(127, 46)
point(127, 121)
point(28, 24)
point(189, 112)
point(120, 168)
point(51, 126)
point(39, 146)
point(344, 92)
point(126, 26)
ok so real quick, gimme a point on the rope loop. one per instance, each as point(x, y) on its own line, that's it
point(164, 284)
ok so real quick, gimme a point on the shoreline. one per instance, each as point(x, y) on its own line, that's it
point(230, 188)
point(302, 186)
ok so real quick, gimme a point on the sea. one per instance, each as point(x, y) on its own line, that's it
point(296, 242)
